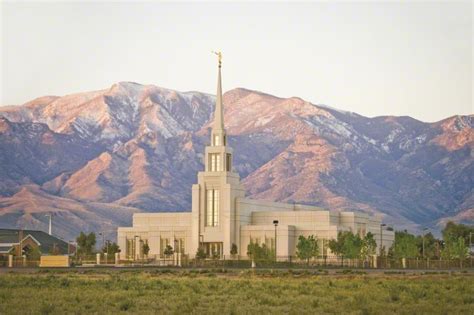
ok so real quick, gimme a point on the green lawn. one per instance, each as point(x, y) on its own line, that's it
point(235, 292)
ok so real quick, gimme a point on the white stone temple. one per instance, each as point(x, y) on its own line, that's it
point(222, 216)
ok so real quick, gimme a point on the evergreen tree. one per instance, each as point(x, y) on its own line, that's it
point(233, 250)
point(168, 251)
point(200, 254)
point(145, 248)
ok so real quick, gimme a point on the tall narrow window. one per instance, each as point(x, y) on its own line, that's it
point(228, 165)
point(209, 207)
point(218, 162)
point(214, 162)
point(216, 140)
point(181, 245)
point(163, 243)
point(212, 207)
point(130, 248)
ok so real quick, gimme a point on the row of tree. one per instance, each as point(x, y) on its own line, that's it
point(454, 245)
point(86, 245)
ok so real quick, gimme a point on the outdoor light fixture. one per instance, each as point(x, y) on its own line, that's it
point(275, 223)
point(381, 231)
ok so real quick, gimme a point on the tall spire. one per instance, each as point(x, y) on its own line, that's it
point(218, 114)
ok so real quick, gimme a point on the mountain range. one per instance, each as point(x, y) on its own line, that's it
point(93, 159)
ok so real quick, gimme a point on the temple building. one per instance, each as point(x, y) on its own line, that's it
point(221, 215)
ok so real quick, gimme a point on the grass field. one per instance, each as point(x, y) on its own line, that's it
point(234, 292)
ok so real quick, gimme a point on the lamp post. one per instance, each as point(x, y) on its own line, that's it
point(381, 233)
point(470, 247)
point(423, 242)
point(275, 223)
point(107, 242)
point(50, 223)
point(20, 236)
point(103, 239)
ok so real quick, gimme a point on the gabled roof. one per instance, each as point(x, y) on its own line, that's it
point(5, 249)
point(46, 242)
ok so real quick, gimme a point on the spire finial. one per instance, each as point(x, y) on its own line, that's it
point(219, 57)
point(218, 115)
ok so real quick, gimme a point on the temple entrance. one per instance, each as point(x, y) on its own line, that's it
point(213, 249)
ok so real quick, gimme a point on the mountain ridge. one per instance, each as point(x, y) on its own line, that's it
point(138, 147)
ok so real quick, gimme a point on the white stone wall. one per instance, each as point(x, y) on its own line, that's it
point(152, 227)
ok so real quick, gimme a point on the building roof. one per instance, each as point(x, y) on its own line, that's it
point(46, 242)
point(5, 249)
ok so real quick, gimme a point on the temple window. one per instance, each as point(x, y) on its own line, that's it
point(228, 163)
point(216, 140)
point(212, 207)
point(215, 162)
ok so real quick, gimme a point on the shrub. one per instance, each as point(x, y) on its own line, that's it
point(126, 305)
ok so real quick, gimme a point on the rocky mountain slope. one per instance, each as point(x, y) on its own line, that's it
point(95, 158)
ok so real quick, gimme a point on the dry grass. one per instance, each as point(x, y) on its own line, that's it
point(156, 291)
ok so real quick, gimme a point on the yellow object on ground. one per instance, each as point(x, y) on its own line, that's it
point(54, 261)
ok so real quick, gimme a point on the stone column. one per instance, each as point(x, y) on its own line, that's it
point(117, 259)
point(374, 261)
point(97, 258)
point(404, 263)
point(10, 261)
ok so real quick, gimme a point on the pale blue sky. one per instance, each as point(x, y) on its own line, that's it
point(373, 58)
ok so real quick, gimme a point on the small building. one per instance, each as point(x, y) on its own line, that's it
point(222, 216)
point(22, 242)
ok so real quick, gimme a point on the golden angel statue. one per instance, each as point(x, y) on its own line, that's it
point(219, 56)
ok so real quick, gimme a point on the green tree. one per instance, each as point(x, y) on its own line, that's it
point(111, 248)
point(215, 254)
point(168, 251)
point(233, 250)
point(260, 253)
point(86, 243)
point(369, 246)
point(352, 246)
point(405, 245)
point(33, 254)
point(307, 248)
point(455, 248)
point(336, 245)
point(347, 245)
point(200, 254)
point(430, 245)
point(454, 231)
point(145, 248)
